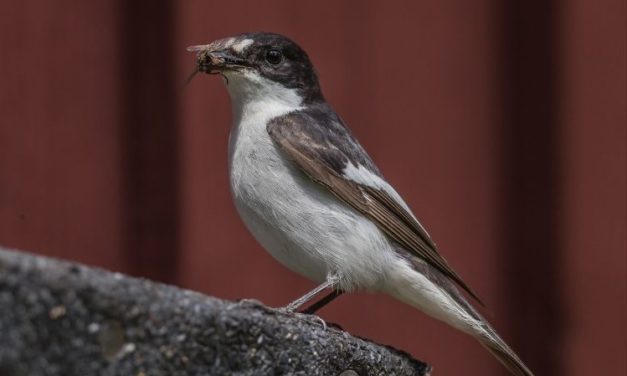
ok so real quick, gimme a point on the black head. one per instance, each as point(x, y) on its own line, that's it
point(272, 56)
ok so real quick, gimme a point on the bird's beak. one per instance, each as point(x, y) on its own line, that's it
point(216, 57)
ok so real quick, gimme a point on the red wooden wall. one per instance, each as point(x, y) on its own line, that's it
point(501, 123)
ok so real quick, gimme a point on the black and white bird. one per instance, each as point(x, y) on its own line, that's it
point(311, 195)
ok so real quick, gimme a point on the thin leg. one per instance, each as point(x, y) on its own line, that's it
point(322, 302)
point(296, 304)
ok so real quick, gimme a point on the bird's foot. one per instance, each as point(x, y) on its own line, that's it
point(247, 302)
point(321, 321)
point(290, 309)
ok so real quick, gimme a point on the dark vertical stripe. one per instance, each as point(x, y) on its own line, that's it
point(150, 144)
point(530, 167)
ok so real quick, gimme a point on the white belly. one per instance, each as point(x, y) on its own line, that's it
point(302, 224)
point(298, 221)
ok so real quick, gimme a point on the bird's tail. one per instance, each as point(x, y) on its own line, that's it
point(497, 347)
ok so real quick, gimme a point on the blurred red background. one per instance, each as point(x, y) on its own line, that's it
point(501, 123)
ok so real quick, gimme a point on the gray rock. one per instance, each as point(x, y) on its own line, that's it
point(61, 318)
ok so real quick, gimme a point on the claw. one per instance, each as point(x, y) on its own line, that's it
point(319, 319)
point(249, 302)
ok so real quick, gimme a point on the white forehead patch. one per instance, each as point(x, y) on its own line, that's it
point(242, 45)
point(228, 42)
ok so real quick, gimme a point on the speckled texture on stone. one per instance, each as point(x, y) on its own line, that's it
point(60, 318)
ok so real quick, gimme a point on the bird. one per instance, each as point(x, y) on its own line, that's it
point(314, 199)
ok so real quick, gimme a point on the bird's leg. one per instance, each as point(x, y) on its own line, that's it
point(322, 302)
point(296, 304)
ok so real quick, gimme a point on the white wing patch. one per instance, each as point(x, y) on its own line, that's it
point(362, 175)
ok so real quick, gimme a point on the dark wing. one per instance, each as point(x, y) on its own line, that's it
point(322, 157)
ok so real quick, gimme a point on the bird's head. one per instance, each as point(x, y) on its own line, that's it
point(260, 64)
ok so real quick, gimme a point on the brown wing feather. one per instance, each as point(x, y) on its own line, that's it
point(375, 204)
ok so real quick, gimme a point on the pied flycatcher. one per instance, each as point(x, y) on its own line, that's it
point(311, 195)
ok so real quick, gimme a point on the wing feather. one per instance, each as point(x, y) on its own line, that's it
point(292, 134)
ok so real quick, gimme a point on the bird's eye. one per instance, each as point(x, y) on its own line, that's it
point(274, 57)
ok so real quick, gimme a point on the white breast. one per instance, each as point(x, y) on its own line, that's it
point(298, 221)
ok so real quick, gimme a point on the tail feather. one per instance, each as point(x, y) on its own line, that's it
point(497, 347)
point(426, 288)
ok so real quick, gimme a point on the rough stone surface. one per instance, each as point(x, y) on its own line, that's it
point(61, 318)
